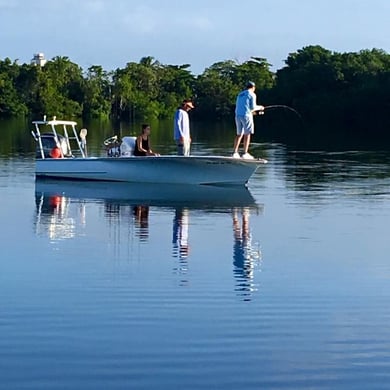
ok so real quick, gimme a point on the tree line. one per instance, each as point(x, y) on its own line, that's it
point(350, 90)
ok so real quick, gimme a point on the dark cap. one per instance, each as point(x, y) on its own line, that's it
point(250, 84)
point(188, 102)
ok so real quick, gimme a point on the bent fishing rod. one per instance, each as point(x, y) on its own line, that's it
point(283, 106)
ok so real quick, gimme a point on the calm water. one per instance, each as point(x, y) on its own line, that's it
point(285, 285)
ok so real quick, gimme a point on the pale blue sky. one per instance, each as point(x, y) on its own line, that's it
point(111, 33)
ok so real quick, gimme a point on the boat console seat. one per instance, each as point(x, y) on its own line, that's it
point(127, 146)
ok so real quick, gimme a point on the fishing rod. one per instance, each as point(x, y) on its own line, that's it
point(274, 106)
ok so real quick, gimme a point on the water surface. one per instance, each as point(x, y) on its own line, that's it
point(284, 285)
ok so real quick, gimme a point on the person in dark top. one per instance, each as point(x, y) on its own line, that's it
point(142, 144)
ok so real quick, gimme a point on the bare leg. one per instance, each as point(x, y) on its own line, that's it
point(237, 142)
point(247, 140)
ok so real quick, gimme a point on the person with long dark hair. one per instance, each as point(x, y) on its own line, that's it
point(142, 144)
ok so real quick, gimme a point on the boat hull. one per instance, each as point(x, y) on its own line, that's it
point(163, 169)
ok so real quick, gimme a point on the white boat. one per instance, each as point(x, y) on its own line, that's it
point(62, 154)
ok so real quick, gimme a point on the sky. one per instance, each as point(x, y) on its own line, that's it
point(112, 33)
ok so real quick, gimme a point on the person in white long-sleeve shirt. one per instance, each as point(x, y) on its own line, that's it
point(246, 106)
point(181, 128)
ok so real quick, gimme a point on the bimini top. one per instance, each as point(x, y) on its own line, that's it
point(54, 122)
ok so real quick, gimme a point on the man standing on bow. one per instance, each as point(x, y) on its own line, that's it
point(246, 107)
point(181, 128)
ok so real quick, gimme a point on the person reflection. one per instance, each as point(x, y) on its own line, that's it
point(180, 242)
point(244, 255)
point(141, 218)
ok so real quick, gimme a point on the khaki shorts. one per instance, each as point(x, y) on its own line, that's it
point(244, 125)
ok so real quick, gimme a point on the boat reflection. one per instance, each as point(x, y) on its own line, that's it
point(55, 217)
point(65, 209)
point(191, 196)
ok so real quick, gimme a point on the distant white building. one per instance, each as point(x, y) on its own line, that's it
point(39, 59)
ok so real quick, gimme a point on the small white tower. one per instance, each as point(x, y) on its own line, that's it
point(39, 59)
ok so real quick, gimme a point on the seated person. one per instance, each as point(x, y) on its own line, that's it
point(142, 144)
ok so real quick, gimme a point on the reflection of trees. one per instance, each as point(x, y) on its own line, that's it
point(316, 171)
point(244, 254)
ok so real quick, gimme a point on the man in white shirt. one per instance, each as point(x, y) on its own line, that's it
point(181, 128)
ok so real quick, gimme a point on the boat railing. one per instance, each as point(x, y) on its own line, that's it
point(58, 141)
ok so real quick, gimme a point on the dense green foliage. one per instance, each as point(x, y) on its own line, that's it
point(351, 90)
point(327, 88)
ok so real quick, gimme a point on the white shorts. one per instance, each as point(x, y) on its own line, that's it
point(245, 125)
point(184, 148)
